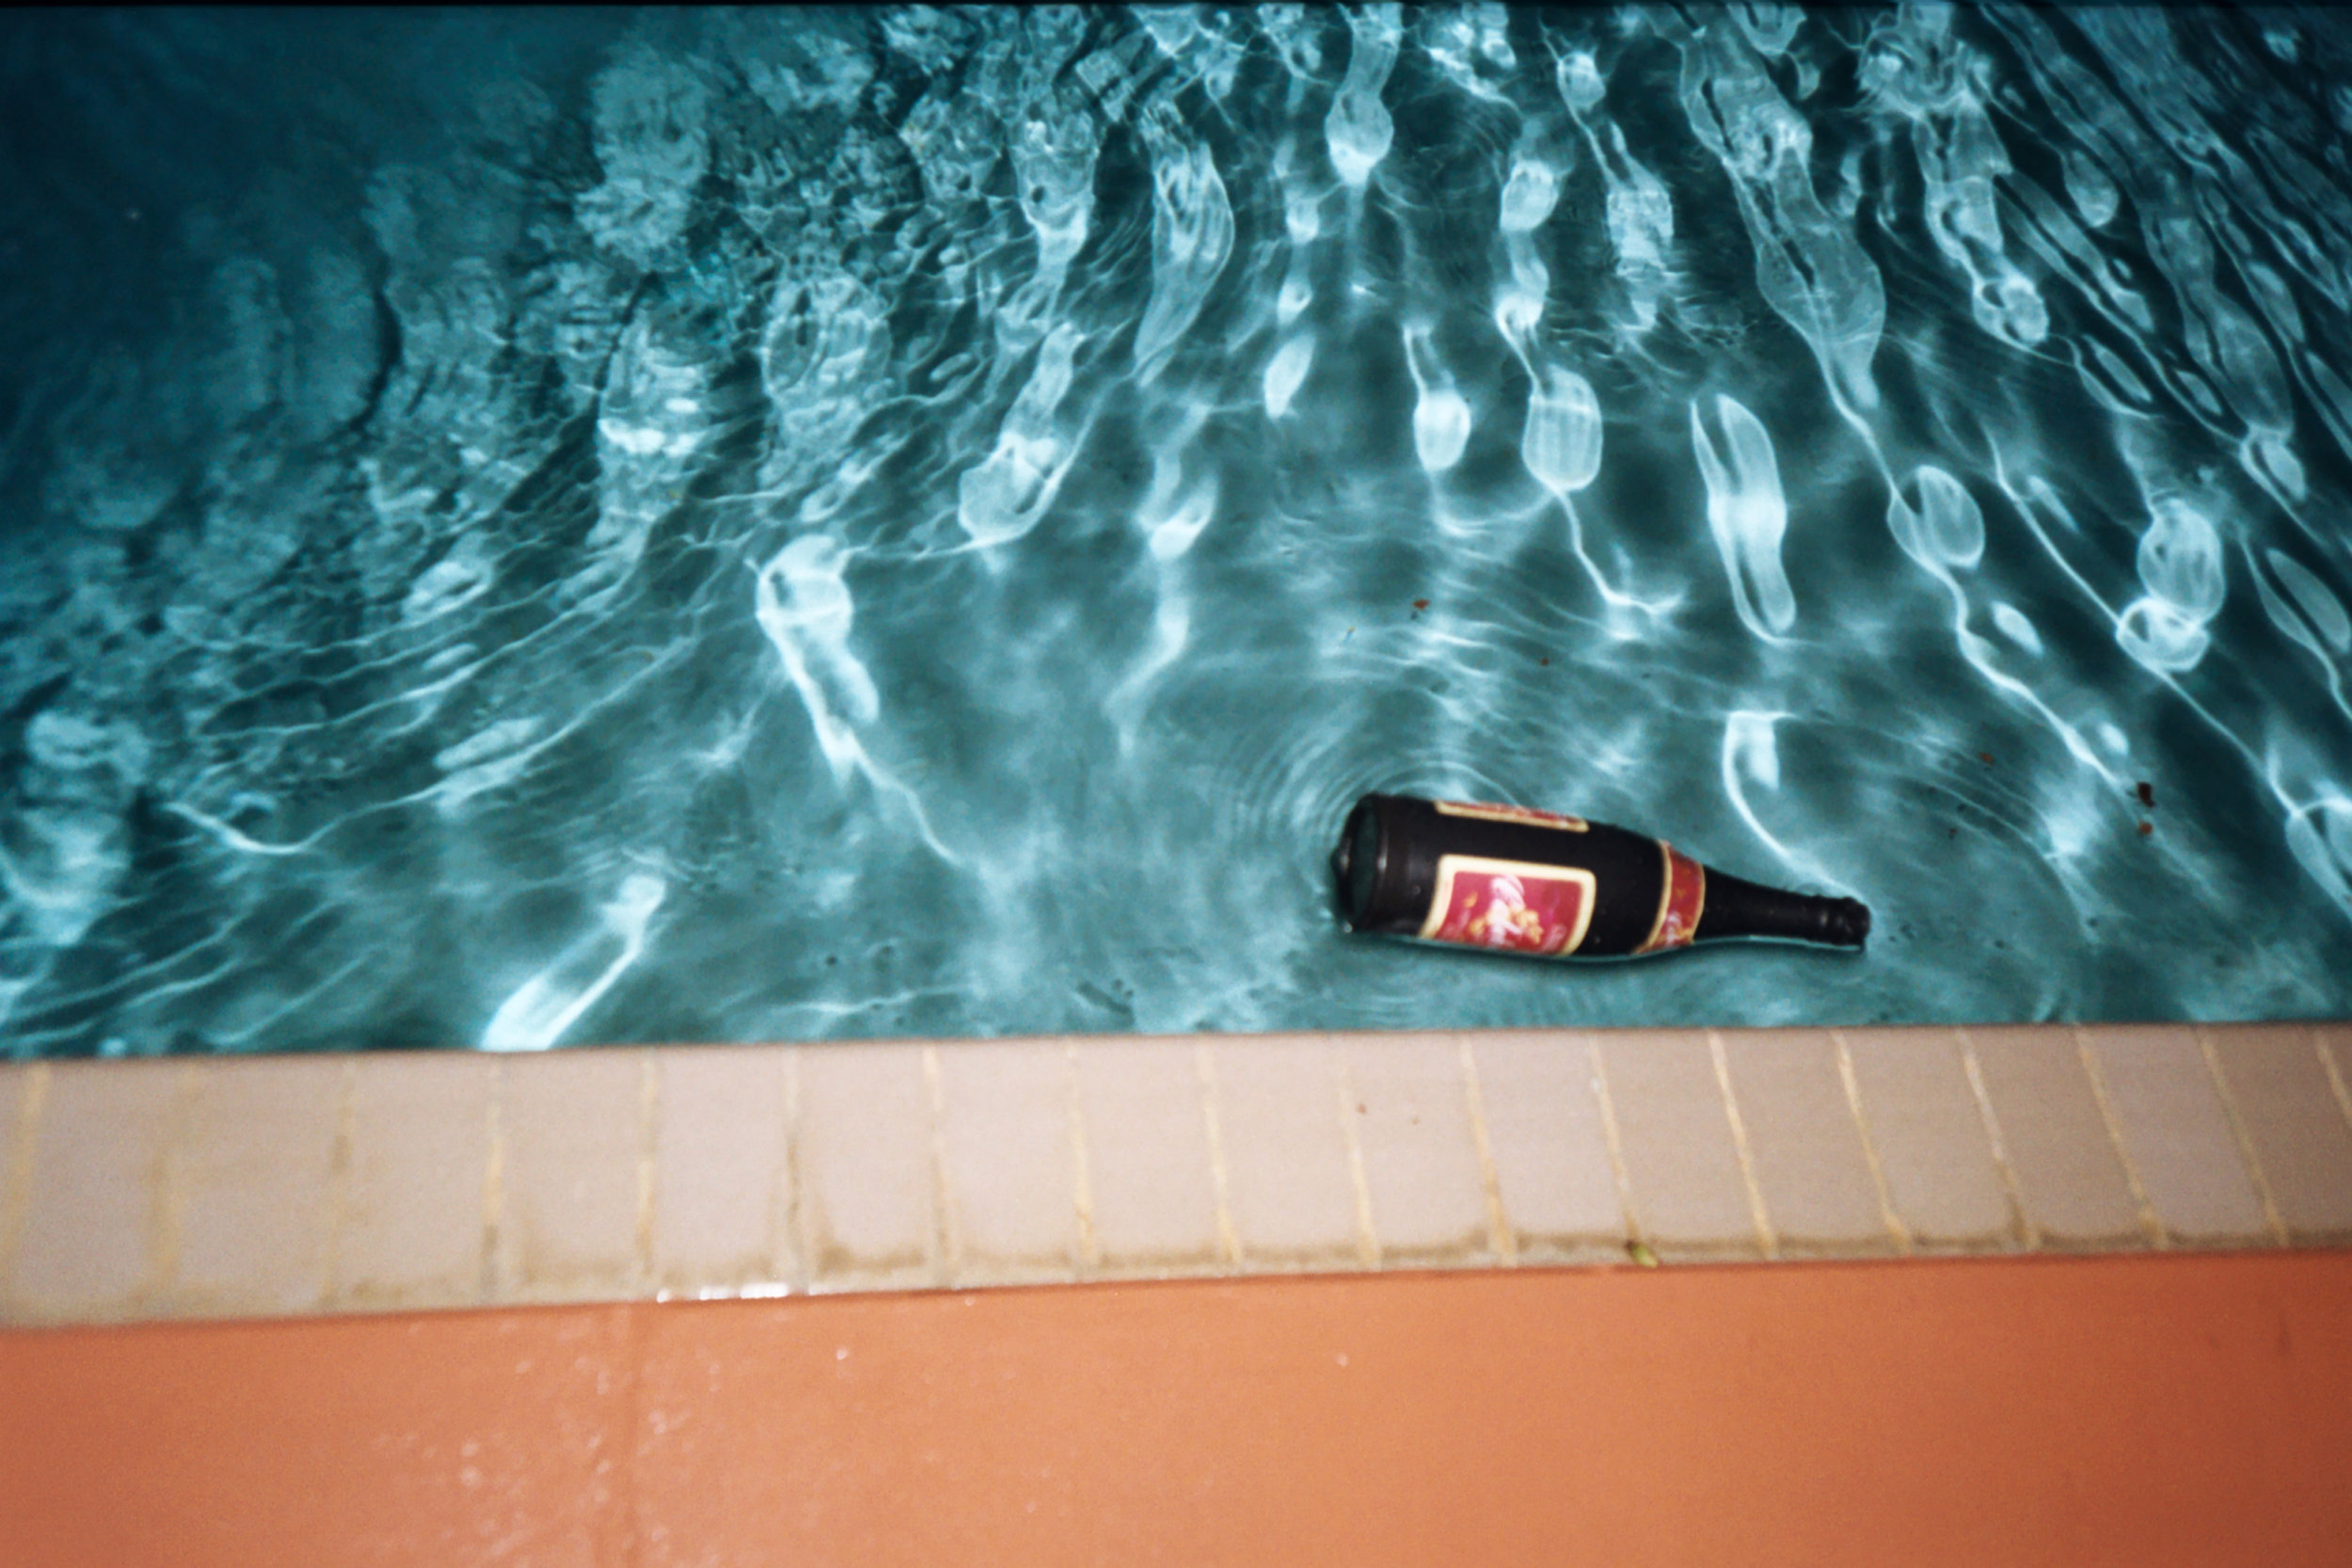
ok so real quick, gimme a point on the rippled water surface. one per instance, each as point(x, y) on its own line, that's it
point(544, 528)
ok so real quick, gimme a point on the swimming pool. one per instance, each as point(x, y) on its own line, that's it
point(545, 528)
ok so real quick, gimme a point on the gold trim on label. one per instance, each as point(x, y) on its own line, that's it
point(1665, 897)
point(1527, 815)
point(1660, 940)
point(1443, 899)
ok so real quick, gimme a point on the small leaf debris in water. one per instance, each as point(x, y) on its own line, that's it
point(2147, 793)
point(1984, 756)
point(1640, 1253)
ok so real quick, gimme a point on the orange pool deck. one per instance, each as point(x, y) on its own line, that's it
point(2146, 1410)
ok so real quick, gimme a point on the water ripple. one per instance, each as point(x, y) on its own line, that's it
point(540, 527)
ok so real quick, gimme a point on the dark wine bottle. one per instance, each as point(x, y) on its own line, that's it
point(1518, 880)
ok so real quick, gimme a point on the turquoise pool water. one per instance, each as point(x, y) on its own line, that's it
point(547, 528)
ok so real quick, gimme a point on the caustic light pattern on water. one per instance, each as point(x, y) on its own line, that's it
point(542, 528)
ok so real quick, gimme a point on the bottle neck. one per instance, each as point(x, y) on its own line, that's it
point(1738, 907)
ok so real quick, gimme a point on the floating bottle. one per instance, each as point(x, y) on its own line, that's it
point(1519, 881)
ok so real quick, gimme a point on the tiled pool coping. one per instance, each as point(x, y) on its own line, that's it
point(211, 1187)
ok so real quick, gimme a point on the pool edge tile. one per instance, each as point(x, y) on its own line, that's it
point(99, 1226)
point(866, 1174)
point(1690, 1193)
point(1151, 1173)
point(1471, 1149)
point(1009, 1164)
point(417, 1219)
point(2176, 1135)
point(721, 1200)
point(257, 1179)
point(1293, 1165)
point(2278, 1078)
point(1811, 1159)
point(1557, 1181)
point(575, 1177)
point(1427, 1181)
point(23, 1088)
point(2055, 1136)
point(1916, 1100)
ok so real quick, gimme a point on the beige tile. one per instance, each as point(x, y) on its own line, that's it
point(1422, 1169)
point(1808, 1152)
point(1689, 1195)
point(1550, 1152)
point(13, 1081)
point(414, 1224)
point(1151, 1174)
point(575, 1212)
point(1289, 1159)
point(2177, 1134)
point(865, 1167)
point(2278, 1079)
point(256, 1173)
point(97, 1234)
point(1928, 1133)
point(2060, 1154)
point(1004, 1135)
point(722, 1187)
point(18, 1105)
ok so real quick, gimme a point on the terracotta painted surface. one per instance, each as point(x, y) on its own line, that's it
point(2144, 1409)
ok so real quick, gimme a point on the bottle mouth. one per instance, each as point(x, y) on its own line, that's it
point(1850, 923)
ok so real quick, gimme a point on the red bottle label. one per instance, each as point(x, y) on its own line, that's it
point(1679, 904)
point(1527, 814)
point(1509, 905)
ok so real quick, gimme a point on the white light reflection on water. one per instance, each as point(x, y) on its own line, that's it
point(535, 527)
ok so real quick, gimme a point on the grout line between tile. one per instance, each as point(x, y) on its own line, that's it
point(1894, 1222)
point(2241, 1136)
point(1616, 1144)
point(1765, 1236)
point(946, 1245)
point(648, 1133)
point(493, 1185)
point(16, 1182)
point(1081, 1173)
point(790, 1252)
point(1228, 1237)
point(2157, 1236)
point(2022, 1226)
point(1367, 1239)
point(2336, 1076)
point(1499, 1235)
point(339, 1176)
